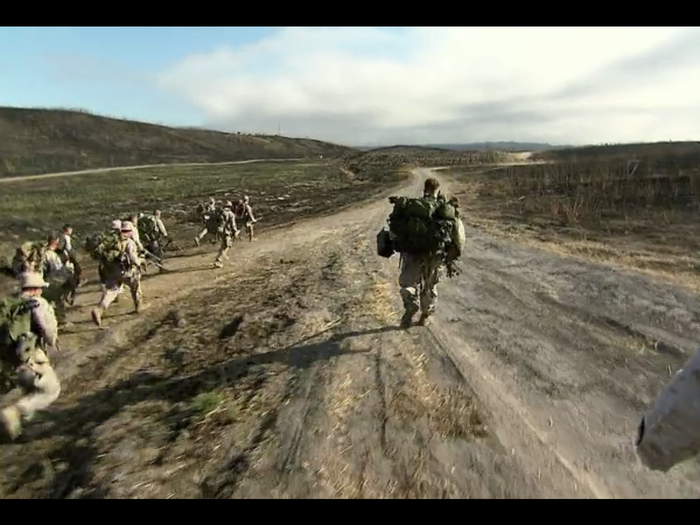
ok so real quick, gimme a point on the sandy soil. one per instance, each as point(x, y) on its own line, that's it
point(284, 375)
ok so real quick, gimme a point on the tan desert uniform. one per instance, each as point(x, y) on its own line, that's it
point(36, 376)
point(670, 432)
point(116, 276)
point(135, 234)
point(248, 217)
point(159, 224)
point(229, 232)
point(424, 273)
point(59, 277)
point(209, 209)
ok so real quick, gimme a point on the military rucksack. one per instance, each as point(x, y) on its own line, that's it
point(105, 247)
point(15, 328)
point(216, 221)
point(422, 226)
point(148, 229)
point(29, 256)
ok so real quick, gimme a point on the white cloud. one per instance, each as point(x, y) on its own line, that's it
point(366, 85)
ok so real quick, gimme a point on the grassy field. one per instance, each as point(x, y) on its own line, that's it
point(416, 156)
point(279, 193)
point(36, 141)
point(644, 215)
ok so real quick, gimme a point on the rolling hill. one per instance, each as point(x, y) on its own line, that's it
point(37, 141)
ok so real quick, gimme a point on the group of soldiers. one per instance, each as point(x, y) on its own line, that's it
point(221, 221)
point(49, 275)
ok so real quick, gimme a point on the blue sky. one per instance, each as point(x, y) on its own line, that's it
point(371, 85)
point(40, 68)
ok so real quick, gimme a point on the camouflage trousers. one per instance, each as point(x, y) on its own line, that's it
point(226, 245)
point(418, 280)
point(40, 389)
point(113, 287)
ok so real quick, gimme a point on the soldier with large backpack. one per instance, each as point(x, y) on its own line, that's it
point(152, 235)
point(28, 329)
point(208, 213)
point(429, 235)
point(121, 265)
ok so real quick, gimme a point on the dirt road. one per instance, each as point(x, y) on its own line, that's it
point(284, 375)
point(122, 168)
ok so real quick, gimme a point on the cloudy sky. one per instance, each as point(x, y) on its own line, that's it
point(371, 85)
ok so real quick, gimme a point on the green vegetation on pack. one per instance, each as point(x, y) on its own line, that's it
point(148, 229)
point(15, 321)
point(104, 247)
point(422, 226)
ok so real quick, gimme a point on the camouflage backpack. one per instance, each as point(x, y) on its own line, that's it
point(216, 221)
point(16, 337)
point(29, 257)
point(422, 226)
point(105, 247)
point(148, 229)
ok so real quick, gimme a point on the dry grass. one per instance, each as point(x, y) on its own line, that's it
point(642, 215)
point(35, 141)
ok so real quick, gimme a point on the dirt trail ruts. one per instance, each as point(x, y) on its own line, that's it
point(122, 168)
point(528, 383)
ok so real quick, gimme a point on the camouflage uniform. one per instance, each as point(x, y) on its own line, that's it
point(118, 276)
point(670, 432)
point(102, 269)
point(230, 231)
point(209, 209)
point(424, 273)
point(36, 376)
point(60, 280)
point(70, 259)
point(248, 217)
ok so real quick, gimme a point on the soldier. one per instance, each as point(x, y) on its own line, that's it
point(208, 210)
point(125, 271)
point(70, 259)
point(423, 271)
point(60, 278)
point(134, 219)
point(35, 375)
point(159, 224)
point(248, 217)
point(228, 231)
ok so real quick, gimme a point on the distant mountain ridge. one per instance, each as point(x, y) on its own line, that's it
point(484, 146)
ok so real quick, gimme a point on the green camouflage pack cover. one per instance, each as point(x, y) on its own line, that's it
point(105, 247)
point(421, 226)
point(30, 254)
point(148, 229)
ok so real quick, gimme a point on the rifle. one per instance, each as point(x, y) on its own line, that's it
point(157, 261)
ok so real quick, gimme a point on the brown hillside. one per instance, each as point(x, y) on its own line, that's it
point(36, 141)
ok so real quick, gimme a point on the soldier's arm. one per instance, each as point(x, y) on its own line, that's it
point(250, 212)
point(670, 432)
point(132, 252)
point(44, 319)
point(161, 227)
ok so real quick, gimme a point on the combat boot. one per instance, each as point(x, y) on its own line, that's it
point(407, 318)
point(218, 264)
point(423, 319)
point(11, 421)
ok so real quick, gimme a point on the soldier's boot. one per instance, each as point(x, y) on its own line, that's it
point(11, 421)
point(96, 315)
point(407, 318)
point(424, 318)
point(218, 264)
